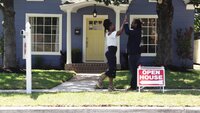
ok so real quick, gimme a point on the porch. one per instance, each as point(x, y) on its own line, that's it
point(93, 43)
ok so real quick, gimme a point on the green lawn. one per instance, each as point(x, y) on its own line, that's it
point(42, 79)
point(174, 80)
point(97, 99)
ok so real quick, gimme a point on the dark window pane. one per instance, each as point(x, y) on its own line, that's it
point(55, 30)
point(39, 47)
point(47, 39)
point(40, 20)
point(144, 40)
point(55, 21)
point(152, 49)
point(144, 21)
point(40, 30)
point(40, 38)
point(48, 21)
point(144, 49)
point(152, 40)
point(47, 47)
point(47, 29)
point(144, 31)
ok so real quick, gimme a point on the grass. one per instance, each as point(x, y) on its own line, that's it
point(106, 99)
point(174, 80)
point(42, 79)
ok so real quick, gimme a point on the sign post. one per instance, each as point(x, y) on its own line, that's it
point(150, 77)
point(27, 56)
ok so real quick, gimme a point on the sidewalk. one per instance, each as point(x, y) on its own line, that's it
point(99, 110)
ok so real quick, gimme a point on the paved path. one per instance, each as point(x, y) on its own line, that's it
point(81, 82)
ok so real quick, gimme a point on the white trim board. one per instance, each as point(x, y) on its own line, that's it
point(27, 15)
point(84, 33)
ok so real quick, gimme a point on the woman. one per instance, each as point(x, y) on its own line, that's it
point(111, 40)
point(133, 49)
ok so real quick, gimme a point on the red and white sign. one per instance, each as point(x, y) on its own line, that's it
point(151, 77)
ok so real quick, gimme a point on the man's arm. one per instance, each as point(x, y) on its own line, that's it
point(126, 27)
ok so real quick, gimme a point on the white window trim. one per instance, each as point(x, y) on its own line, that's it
point(34, 0)
point(60, 31)
point(144, 16)
point(152, 0)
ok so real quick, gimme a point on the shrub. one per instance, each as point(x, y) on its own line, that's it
point(184, 45)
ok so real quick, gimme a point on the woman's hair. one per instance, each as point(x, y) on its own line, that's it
point(107, 23)
point(139, 23)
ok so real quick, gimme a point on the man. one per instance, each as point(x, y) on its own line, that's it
point(133, 49)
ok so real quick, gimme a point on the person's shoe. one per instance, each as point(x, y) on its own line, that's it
point(111, 88)
point(100, 81)
point(131, 89)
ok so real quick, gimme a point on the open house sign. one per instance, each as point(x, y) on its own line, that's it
point(151, 77)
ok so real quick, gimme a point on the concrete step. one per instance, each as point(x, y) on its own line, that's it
point(87, 67)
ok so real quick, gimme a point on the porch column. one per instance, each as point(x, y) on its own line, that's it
point(69, 58)
point(117, 13)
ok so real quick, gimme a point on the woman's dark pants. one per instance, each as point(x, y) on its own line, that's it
point(111, 57)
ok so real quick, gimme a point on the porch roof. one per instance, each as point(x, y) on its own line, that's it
point(74, 5)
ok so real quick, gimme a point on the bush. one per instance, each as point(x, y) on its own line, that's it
point(184, 45)
point(76, 56)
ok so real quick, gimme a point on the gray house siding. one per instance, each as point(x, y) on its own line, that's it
point(182, 19)
point(47, 7)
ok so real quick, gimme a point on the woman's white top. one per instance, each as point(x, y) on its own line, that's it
point(111, 39)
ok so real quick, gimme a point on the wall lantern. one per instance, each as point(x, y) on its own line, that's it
point(159, 1)
point(95, 11)
point(77, 31)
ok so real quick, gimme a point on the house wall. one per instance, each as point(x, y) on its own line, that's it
point(46, 7)
point(182, 18)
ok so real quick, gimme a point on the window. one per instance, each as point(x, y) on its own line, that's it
point(152, 0)
point(149, 34)
point(45, 33)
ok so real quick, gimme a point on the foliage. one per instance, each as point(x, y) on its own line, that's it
point(184, 45)
point(197, 23)
point(76, 55)
point(195, 2)
point(115, 2)
point(42, 79)
point(39, 62)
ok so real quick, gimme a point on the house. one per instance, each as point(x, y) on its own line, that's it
point(61, 25)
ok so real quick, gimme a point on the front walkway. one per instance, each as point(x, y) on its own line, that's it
point(81, 82)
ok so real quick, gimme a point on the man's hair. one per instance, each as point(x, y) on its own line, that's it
point(107, 23)
point(139, 23)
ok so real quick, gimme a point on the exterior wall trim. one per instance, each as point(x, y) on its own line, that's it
point(27, 15)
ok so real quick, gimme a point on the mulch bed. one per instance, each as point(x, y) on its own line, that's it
point(12, 70)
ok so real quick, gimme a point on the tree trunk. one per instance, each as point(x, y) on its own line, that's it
point(9, 34)
point(165, 12)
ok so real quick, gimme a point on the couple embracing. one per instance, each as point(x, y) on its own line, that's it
point(133, 50)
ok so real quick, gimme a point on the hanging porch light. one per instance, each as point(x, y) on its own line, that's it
point(95, 11)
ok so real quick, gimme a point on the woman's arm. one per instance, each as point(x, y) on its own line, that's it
point(122, 27)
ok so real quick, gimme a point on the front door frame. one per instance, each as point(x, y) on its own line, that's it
point(84, 33)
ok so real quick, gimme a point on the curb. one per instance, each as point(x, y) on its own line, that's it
point(99, 109)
